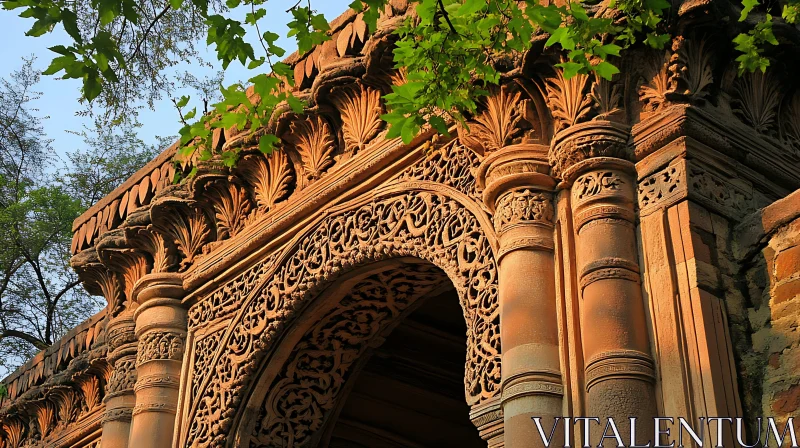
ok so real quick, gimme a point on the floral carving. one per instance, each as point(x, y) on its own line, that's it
point(596, 182)
point(757, 101)
point(498, 124)
point(360, 109)
point(523, 206)
point(314, 142)
point(123, 377)
point(662, 185)
point(567, 99)
point(270, 177)
point(303, 395)
point(423, 225)
point(158, 345)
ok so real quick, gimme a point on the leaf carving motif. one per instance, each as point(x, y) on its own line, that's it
point(315, 144)
point(231, 208)
point(567, 98)
point(270, 177)
point(498, 124)
point(360, 109)
point(757, 101)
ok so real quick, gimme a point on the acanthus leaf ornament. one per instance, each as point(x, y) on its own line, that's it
point(270, 177)
point(231, 207)
point(499, 123)
point(360, 108)
point(567, 98)
point(314, 143)
point(757, 101)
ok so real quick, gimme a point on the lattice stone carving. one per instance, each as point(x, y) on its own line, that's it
point(452, 165)
point(425, 225)
point(306, 391)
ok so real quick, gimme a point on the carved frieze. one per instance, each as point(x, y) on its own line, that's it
point(160, 345)
point(523, 206)
point(690, 179)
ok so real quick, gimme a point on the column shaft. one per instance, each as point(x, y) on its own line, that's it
point(161, 324)
point(620, 372)
point(119, 399)
point(520, 192)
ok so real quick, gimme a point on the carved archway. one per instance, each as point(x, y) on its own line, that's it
point(425, 221)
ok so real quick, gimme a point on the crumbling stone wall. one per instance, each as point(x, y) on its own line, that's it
point(769, 249)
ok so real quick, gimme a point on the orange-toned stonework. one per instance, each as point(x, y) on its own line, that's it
point(615, 249)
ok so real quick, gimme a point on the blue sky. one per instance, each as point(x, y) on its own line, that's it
point(59, 97)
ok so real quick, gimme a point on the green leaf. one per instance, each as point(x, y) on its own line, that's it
point(469, 8)
point(748, 6)
point(267, 142)
point(570, 68)
point(440, 125)
point(175, 4)
point(183, 101)
point(606, 70)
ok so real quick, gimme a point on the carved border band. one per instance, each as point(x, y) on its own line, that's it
point(622, 364)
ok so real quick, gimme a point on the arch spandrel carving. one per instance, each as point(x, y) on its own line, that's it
point(427, 225)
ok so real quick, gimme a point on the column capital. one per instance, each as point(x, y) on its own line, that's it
point(513, 167)
point(585, 141)
point(161, 285)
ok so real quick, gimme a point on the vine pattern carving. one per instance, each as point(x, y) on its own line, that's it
point(452, 165)
point(425, 225)
point(594, 183)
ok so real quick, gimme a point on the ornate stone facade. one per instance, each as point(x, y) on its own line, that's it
point(597, 236)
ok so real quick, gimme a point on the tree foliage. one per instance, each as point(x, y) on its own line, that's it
point(450, 51)
point(40, 196)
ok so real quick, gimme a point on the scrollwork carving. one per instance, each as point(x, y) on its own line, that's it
point(423, 225)
point(123, 377)
point(595, 183)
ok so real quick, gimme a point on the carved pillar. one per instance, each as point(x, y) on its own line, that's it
point(119, 399)
point(161, 324)
point(519, 191)
point(619, 370)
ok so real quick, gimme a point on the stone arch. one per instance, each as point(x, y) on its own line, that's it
point(431, 223)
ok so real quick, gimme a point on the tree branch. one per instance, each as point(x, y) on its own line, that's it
point(36, 342)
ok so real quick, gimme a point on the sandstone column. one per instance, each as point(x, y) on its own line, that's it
point(119, 399)
point(161, 324)
point(519, 190)
point(619, 369)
